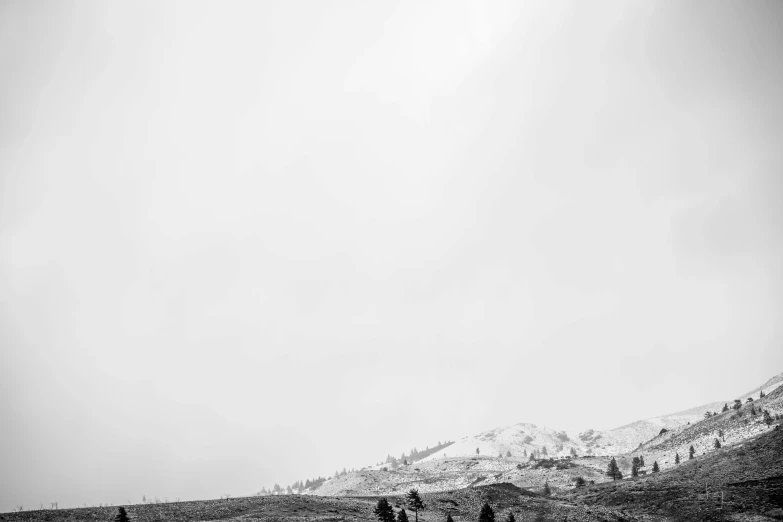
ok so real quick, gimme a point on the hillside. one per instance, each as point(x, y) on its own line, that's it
point(521, 439)
point(744, 478)
point(463, 505)
point(584, 454)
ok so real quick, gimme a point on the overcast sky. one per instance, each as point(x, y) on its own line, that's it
point(248, 243)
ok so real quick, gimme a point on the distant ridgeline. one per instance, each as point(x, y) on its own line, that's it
point(414, 455)
point(302, 486)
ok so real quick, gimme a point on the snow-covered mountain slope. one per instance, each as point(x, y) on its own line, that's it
point(521, 439)
point(503, 453)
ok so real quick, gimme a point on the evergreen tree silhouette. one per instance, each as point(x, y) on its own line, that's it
point(486, 514)
point(676, 458)
point(414, 502)
point(691, 451)
point(656, 468)
point(547, 491)
point(641, 461)
point(402, 516)
point(612, 470)
point(121, 516)
point(635, 467)
point(448, 518)
point(384, 511)
point(767, 418)
point(716, 444)
point(726, 407)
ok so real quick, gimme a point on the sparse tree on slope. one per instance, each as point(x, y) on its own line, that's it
point(725, 407)
point(656, 468)
point(477, 451)
point(635, 467)
point(767, 418)
point(414, 502)
point(121, 516)
point(676, 458)
point(486, 514)
point(402, 516)
point(508, 453)
point(641, 461)
point(384, 511)
point(612, 470)
point(691, 451)
point(717, 444)
point(753, 409)
point(547, 491)
point(762, 394)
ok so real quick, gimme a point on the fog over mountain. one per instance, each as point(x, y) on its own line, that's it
point(254, 242)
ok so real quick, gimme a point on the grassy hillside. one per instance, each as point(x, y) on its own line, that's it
point(463, 505)
point(744, 478)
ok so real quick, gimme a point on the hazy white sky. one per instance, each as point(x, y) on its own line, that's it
point(248, 243)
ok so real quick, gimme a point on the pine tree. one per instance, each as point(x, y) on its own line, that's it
point(508, 453)
point(635, 467)
point(121, 515)
point(486, 515)
point(691, 451)
point(752, 409)
point(448, 518)
point(612, 470)
point(717, 444)
point(641, 461)
point(414, 502)
point(384, 511)
point(767, 418)
point(547, 491)
point(477, 451)
point(725, 407)
point(510, 517)
point(656, 468)
point(402, 516)
point(762, 394)
point(676, 458)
